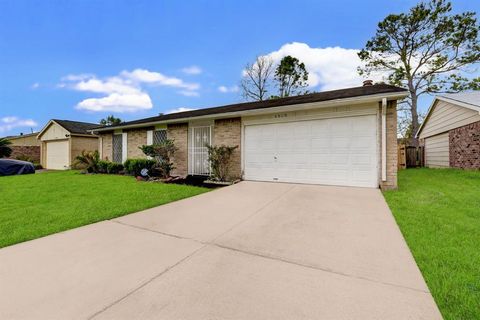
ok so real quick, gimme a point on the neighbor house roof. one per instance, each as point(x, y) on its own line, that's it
point(74, 127)
point(469, 100)
point(21, 136)
point(377, 89)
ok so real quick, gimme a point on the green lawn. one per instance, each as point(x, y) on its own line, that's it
point(438, 211)
point(36, 205)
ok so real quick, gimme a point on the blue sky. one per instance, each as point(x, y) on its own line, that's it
point(82, 60)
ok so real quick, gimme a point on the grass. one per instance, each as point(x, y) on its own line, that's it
point(438, 211)
point(37, 205)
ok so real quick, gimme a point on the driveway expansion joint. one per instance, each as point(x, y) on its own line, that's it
point(278, 259)
point(145, 283)
point(327, 270)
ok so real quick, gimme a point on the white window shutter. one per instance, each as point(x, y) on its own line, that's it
point(149, 137)
point(124, 146)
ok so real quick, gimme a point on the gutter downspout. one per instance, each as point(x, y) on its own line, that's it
point(384, 139)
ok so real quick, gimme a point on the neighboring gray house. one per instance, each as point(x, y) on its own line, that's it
point(451, 131)
point(344, 137)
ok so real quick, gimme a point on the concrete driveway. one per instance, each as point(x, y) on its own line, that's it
point(250, 251)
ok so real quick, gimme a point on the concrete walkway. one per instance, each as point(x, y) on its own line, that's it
point(250, 251)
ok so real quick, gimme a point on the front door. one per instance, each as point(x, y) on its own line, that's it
point(200, 137)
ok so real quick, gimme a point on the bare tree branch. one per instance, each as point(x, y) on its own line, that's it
point(256, 80)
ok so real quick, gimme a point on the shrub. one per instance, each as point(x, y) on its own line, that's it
point(88, 161)
point(5, 150)
point(105, 166)
point(162, 153)
point(37, 166)
point(220, 161)
point(134, 166)
point(24, 157)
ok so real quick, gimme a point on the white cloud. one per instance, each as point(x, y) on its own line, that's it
point(142, 75)
point(78, 77)
point(225, 89)
point(125, 92)
point(9, 123)
point(192, 70)
point(116, 102)
point(329, 68)
point(181, 109)
point(189, 93)
point(35, 85)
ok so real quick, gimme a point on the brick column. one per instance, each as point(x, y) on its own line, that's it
point(228, 132)
point(179, 133)
point(392, 156)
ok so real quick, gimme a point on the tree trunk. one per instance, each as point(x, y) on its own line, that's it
point(414, 113)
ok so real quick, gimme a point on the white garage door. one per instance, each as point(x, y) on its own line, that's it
point(57, 155)
point(340, 151)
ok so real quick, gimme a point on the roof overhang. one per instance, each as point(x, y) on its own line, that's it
point(296, 107)
point(445, 99)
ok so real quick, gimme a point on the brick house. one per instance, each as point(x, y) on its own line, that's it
point(61, 141)
point(451, 131)
point(343, 137)
point(25, 146)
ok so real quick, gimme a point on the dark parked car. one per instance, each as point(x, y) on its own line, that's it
point(10, 167)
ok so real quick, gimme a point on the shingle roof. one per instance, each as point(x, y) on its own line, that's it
point(21, 135)
point(472, 97)
point(307, 98)
point(77, 126)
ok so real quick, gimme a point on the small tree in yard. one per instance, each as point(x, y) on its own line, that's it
point(163, 154)
point(5, 150)
point(220, 161)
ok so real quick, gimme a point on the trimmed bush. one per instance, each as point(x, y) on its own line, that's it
point(162, 153)
point(134, 166)
point(105, 166)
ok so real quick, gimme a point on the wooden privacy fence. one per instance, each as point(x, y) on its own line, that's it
point(410, 156)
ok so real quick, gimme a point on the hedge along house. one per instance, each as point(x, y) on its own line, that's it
point(63, 140)
point(343, 137)
point(451, 131)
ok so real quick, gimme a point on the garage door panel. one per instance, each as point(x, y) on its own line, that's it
point(57, 155)
point(340, 151)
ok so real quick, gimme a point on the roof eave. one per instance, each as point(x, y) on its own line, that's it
point(310, 105)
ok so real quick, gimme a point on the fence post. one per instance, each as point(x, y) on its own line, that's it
point(401, 157)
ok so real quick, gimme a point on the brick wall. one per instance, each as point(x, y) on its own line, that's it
point(228, 132)
point(31, 152)
point(107, 146)
point(179, 133)
point(135, 139)
point(392, 160)
point(79, 144)
point(464, 146)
